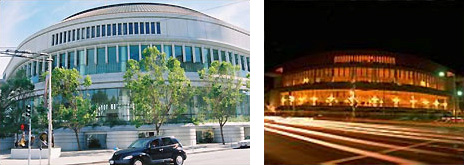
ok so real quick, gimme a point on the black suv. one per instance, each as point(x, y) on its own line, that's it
point(154, 150)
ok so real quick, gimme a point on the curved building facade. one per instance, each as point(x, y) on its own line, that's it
point(99, 42)
point(366, 79)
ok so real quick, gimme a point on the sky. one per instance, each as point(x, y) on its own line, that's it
point(432, 30)
point(21, 18)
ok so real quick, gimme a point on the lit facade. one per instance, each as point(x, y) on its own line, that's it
point(365, 79)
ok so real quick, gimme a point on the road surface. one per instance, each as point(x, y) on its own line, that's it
point(306, 141)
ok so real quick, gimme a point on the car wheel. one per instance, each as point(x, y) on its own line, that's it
point(178, 160)
point(137, 161)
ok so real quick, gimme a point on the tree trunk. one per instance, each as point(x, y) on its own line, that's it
point(222, 134)
point(157, 129)
point(77, 138)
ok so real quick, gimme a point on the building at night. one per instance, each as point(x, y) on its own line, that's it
point(99, 42)
point(369, 80)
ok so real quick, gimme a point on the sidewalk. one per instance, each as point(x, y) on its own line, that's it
point(102, 156)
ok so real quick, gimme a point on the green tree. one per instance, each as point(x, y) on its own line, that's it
point(12, 92)
point(222, 93)
point(71, 109)
point(158, 88)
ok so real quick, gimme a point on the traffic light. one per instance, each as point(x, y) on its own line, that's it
point(28, 110)
point(22, 127)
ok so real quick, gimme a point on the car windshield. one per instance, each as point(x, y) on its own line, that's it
point(141, 143)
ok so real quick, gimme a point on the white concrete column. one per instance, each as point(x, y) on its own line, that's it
point(85, 56)
point(106, 54)
point(173, 51)
point(211, 56)
point(220, 54)
point(194, 54)
point(66, 58)
point(162, 46)
point(75, 57)
point(128, 51)
point(117, 53)
point(95, 54)
point(183, 52)
point(203, 58)
point(140, 50)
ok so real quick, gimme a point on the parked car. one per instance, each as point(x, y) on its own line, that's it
point(244, 143)
point(154, 150)
point(452, 119)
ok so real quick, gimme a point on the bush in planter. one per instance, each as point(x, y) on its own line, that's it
point(208, 136)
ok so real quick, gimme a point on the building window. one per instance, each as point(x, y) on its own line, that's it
point(168, 51)
point(56, 39)
point(223, 56)
point(147, 28)
point(64, 37)
point(158, 28)
point(71, 60)
point(73, 34)
point(152, 27)
point(63, 60)
point(61, 38)
point(124, 28)
point(33, 68)
point(88, 32)
point(78, 34)
point(243, 61)
point(231, 59)
point(112, 64)
point(142, 30)
point(178, 53)
point(91, 67)
point(98, 30)
point(142, 48)
point(207, 57)
point(237, 59)
point(134, 52)
point(136, 28)
point(103, 30)
point(158, 47)
point(53, 39)
point(248, 63)
point(93, 31)
point(188, 54)
point(215, 55)
point(114, 29)
point(131, 28)
point(108, 29)
point(69, 35)
point(101, 61)
point(119, 28)
point(198, 58)
point(82, 34)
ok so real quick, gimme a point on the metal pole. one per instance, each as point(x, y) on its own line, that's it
point(50, 127)
point(29, 142)
point(454, 98)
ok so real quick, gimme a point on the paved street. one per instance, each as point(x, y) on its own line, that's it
point(226, 157)
point(306, 141)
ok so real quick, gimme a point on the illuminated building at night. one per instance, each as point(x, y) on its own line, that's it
point(366, 79)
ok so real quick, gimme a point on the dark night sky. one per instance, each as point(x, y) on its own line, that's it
point(433, 30)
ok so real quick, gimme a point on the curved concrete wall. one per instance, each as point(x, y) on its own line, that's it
point(6, 143)
point(120, 139)
point(231, 134)
point(66, 139)
point(186, 135)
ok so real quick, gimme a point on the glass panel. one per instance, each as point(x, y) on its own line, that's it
point(40, 68)
point(71, 60)
point(69, 35)
point(134, 52)
point(101, 62)
point(119, 28)
point(237, 59)
point(124, 28)
point(207, 58)
point(178, 53)
point(98, 30)
point(136, 28)
point(112, 64)
point(143, 48)
point(61, 38)
point(82, 33)
point(64, 37)
point(152, 28)
point(231, 59)
point(56, 39)
point(123, 57)
point(80, 64)
point(188, 54)
point(215, 55)
point(93, 31)
point(198, 58)
point(74, 35)
point(33, 65)
point(114, 29)
point(108, 29)
point(158, 28)
point(248, 63)
point(131, 28)
point(158, 47)
point(103, 30)
point(242, 58)
point(223, 56)
point(88, 32)
point(63, 60)
point(142, 28)
point(53, 39)
point(168, 51)
point(147, 28)
point(91, 66)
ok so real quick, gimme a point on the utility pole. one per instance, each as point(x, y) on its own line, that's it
point(50, 127)
point(28, 115)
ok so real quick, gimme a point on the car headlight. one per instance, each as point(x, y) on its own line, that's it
point(127, 157)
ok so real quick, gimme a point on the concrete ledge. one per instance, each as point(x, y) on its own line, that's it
point(35, 153)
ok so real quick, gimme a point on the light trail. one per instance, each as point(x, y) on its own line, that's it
point(347, 149)
point(366, 142)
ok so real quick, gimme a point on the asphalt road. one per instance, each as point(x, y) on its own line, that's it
point(227, 157)
point(305, 141)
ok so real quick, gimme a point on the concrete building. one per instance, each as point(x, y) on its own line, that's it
point(374, 82)
point(99, 41)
